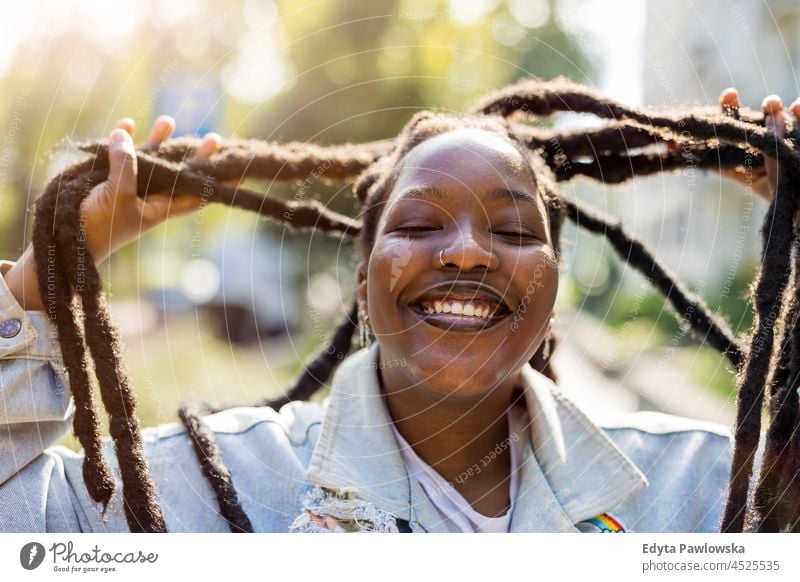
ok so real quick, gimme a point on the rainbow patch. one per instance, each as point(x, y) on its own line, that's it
point(606, 523)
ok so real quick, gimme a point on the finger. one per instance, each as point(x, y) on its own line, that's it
point(127, 124)
point(122, 164)
point(795, 109)
point(162, 128)
point(729, 101)
point(775, 122)
point(210, 144)
point(183, 203)
point(772, 104)
point(156, 209)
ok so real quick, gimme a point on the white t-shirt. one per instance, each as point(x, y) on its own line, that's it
point(456, 512)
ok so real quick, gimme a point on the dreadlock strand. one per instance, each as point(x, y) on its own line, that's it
point(537, 98)
point(611, 138)
point(767, 498)
point(769, 289)
point(239, 158)
point(689, 307)
point(786, 415)
point(544, 98)
point(139, 494)
point(204, 440)
point(139, 499)
point(618, 168)
point(51, 274)
point(209, 455)
point(156, 175)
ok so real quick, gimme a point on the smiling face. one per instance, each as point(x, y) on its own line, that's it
point(462, 277)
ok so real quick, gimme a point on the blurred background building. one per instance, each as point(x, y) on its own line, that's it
point(223, 306)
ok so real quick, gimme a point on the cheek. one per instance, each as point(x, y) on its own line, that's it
point(389, 265)
point(387, 270)
point(538, 282)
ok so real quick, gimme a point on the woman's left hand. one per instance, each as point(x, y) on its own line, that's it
point(762, 180)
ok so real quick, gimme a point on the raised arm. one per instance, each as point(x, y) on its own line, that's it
point(41, 488)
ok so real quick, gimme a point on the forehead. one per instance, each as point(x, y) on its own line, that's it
point(470, 159)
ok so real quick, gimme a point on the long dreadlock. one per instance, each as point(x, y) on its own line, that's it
point(632, 143)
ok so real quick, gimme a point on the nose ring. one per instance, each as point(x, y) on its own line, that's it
point(441, 260)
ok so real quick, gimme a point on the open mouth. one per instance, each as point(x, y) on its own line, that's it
point(461, 306)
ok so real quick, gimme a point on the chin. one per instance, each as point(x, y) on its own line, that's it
point(464, 363)
point(461, 375)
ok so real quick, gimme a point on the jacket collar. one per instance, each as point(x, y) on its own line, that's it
point(571, 470)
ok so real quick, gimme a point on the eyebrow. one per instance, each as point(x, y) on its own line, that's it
point(437, 194)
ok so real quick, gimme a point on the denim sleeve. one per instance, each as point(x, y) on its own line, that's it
point(35, 413)
point(41, 483)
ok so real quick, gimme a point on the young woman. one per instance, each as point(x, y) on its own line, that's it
point(449, 421)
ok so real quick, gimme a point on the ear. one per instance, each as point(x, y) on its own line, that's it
point(361, 285)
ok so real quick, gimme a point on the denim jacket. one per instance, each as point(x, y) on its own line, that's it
point(645, 472)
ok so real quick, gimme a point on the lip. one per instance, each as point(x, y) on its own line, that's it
point(464, 291)
point(452, 322)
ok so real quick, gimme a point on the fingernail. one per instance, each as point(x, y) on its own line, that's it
point(119, 135)
point(130, 123)
point(729, 97)
point(121, 141)
point(165, 122)
point(772, 104)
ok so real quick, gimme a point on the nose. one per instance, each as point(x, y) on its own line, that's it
point(467, 253)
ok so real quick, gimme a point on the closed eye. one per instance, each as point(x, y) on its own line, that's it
point(517, 234)
point(413, 229)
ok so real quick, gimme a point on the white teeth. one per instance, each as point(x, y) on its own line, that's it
point(465, 308)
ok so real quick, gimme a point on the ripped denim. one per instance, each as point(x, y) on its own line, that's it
point(325, 510)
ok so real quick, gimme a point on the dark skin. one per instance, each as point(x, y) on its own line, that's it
point(452, 387)
point(451, 374)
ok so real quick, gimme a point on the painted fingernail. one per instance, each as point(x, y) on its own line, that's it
point(729, 97)
point(128, 123)
point(772, 104)
point(795, 107)
point(165, 121)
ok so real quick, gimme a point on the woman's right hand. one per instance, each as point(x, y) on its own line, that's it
point(763, 180)
point(112, 213)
